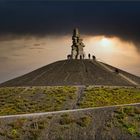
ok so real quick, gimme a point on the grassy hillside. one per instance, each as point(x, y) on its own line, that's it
point(110, 123)
point(36, 99)
point(108, 96)
point(19, 100)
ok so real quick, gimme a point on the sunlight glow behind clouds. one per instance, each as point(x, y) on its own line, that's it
point(25, 54)
point(106, 42)
point(114, 51)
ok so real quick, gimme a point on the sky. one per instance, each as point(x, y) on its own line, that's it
point(34, 33)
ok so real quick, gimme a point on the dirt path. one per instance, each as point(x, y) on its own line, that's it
point(79, 95)
point(120, 74)
point(128, 79)
point(63, 111)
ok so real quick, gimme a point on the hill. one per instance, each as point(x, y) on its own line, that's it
point(75, 72)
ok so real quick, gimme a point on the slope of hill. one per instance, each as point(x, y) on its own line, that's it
point(112, 123)
point(72, 72)
point(131, 76)
point(23, 100)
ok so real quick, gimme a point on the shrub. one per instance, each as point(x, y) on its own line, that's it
point(128, 119)
point(15, 133)
point(66, 119)
point(129, 110)
point(84, 121)
point(137, 110)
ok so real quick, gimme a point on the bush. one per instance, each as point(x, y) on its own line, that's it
point(137, 110)
point(128, 119)
point(84, 121)
point(66, 119)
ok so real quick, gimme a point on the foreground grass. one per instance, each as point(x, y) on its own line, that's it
point(21, 100)
point(128, 119)
point(117, 123)
point(36, 128)
point(94, 97)
point(35, 99)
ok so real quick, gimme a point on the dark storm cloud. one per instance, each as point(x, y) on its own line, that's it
point(42, 17)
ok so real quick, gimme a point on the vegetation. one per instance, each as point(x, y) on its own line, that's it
point(27, 128)
point(109, 123)
point(84, 121)
point(105, 96)
point(128, 118)
point(34, 128)
point(20, 100)
point(35, 99)
point(66, 119)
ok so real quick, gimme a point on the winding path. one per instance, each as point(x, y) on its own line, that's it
point(79, 95)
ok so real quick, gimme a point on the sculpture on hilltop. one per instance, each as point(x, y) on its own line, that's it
point(77, 46)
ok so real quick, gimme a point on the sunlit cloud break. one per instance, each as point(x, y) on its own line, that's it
point(23, 55)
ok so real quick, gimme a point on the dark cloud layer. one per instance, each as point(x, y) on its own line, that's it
point(40, 17)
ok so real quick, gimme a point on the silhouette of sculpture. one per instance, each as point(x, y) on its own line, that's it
point(77, 45)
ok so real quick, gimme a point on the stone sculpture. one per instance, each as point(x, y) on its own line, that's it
point(77, 46)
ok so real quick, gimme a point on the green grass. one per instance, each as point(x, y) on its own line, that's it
point(94, 97)
point(36, 127)
point(66, 119)
point(70, 125)
point(35, 99)
point(28, 128)
point(128, 118)
point(20, 100)
point(82, 121)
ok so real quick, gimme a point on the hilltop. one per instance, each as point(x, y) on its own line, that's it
point(75, 72)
